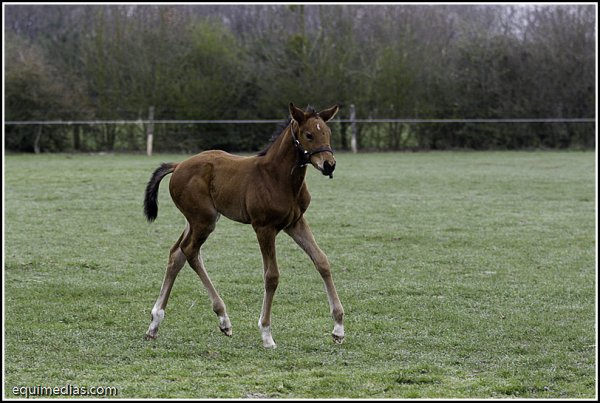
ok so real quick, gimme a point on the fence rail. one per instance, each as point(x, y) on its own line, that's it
point(251, 121)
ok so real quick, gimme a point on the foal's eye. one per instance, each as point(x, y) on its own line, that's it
point(309, 135)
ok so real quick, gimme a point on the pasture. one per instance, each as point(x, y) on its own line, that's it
point(462, 274)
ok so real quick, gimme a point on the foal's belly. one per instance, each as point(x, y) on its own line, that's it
point(229, 185)
point(234, 211)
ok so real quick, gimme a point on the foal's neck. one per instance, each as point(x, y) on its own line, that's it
point(283, 157)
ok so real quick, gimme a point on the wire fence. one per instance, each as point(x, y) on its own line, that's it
point(129, 135)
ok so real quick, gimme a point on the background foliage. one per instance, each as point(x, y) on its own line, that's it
point(249, 61)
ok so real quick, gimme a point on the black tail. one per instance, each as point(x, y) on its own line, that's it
point(151, 198)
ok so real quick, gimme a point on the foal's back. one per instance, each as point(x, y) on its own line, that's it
point(243, 189)
point(219, 181)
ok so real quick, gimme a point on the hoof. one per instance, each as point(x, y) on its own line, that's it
point(337, 339)
point(266, 336)
point(150, 337)
point(338, 333)
point(270, 345)
point(225, 325)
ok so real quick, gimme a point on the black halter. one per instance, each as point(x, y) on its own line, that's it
point(303, 154)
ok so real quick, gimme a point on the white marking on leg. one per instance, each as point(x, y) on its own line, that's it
point(338, 333)
point(267, 338)
point(225, 325)
point(157, 316)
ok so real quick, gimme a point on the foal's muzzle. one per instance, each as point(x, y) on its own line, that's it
point(325, 162)
point(328, 169)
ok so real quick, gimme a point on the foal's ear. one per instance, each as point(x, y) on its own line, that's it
point(328, 114)
point(297, 113)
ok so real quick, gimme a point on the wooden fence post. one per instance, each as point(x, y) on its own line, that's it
point(36, 141)
point(150, 131)
point(353, 129)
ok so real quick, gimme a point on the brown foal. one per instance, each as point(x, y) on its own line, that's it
point(268, 191)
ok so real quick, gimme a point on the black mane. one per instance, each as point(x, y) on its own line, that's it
point(280, 129)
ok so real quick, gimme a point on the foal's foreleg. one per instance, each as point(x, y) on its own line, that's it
point(303, 236)
point(176, 262)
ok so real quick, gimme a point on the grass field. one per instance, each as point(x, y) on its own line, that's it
point(465, 275)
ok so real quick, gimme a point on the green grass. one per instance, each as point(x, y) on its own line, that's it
point(465, 275)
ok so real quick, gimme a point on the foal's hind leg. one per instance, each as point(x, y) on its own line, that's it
point(176, 262)
point(266, 240)
point(190, 246)
point(303, 236)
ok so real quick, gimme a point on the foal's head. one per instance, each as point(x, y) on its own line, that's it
point(314, 137)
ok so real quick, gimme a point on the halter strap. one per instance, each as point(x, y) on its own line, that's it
point(303, 154)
